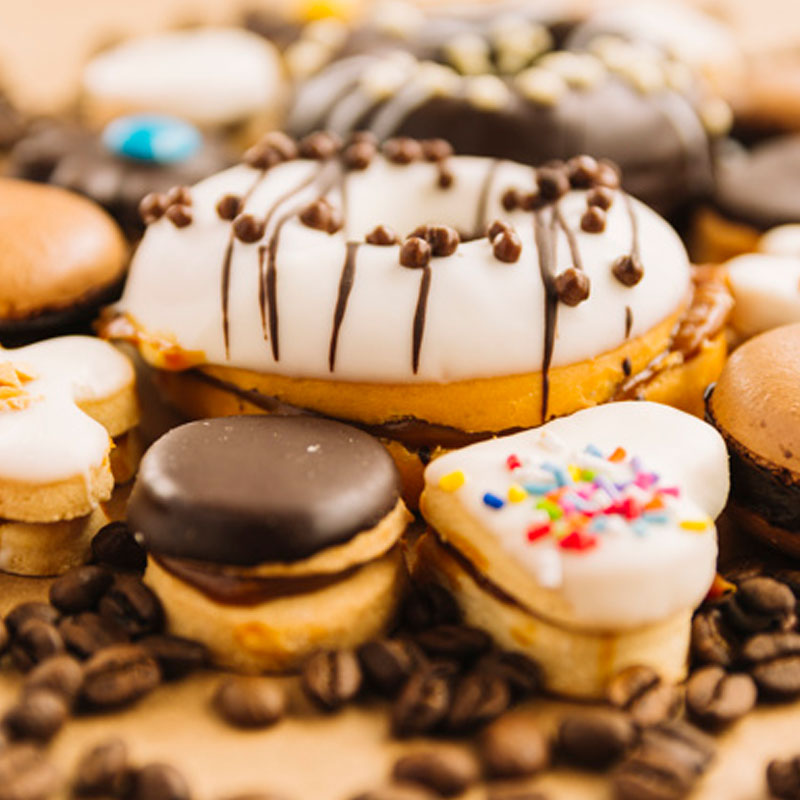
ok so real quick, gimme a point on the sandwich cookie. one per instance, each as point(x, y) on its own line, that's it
point(62, 258)
point(270, 537)
point(225, 80)
point(132, 157)
point(755, 405)
point(61, 404)
point(433, 300)
point(585, 544)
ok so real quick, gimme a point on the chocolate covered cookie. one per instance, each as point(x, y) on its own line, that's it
point(271, 537)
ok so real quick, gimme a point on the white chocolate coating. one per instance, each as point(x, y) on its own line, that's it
point(484, 317)
point(51, 439)
point(766, 292)
point(209, 76)
point(638, 572)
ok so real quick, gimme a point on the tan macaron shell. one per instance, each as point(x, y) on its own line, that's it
point(756, 402)
point(58, 249)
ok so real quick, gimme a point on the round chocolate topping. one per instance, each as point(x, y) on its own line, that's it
point(256, 489)
point(761, 187)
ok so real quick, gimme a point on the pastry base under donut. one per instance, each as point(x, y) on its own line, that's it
point(574, 663)
point(714, 238)
point(126, 455)
point(278, 635)
point(52, 548)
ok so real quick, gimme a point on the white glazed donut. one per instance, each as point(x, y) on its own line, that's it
point(628, 541)
point(212, 77)
point(306, 303)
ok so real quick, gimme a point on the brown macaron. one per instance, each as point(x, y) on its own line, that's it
point(755, 405)
point(62, 258)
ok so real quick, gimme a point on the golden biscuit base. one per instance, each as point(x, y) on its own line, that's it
point(575, 663)
point(278, 635)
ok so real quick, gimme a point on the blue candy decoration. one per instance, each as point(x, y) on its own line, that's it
point(156, 138)
point(492, 500)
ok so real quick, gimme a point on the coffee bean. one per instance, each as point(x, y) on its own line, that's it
point(683, 741)
point(761, 604)
point(459, 642)
point(320, 145)
point(87, 633)
point(415, 253)
point(402, 150)
point(521, 673)
point(176, 656)
point(118, 676)
point(627, 270)
point(115, 546)
point(630, 683)
point(711, 643)
point(775, 662)
point(423, 703)
point(553, 182)
point(396, 792)
point(60, 674)
point(80, 588)
point(103, 771)
point(249, 702)
point(595, 739)
point(478, 698)
point(651, 774)
point(388, 663)
point(514, 746)
point(572, 286)
point(582, 171)
point(26, 774)
point(507, 247)
point(428, 605)
point(133, 606)
point(447, 771)
point(159, 782)
point(639, 691)
point(25, 611)
point(715, 698)
point(332, 678)
point(35, 641)
point(783, 778)
point(38, 714)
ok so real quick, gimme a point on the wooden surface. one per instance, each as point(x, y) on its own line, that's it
point(42, 46)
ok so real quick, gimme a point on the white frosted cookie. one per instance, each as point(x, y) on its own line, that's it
point(596, 526)
point(61, 401)
point(214, 77)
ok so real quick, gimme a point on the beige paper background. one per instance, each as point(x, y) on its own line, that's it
point(308, 757)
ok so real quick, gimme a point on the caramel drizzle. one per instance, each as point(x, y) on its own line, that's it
point(482, 206)
point(419, 317)
point(546, 249)
point(345, 287)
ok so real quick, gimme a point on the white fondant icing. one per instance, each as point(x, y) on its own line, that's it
point(781, 241)
point(51, 439)
point(766, 292)
point(484, 318)
point(629, 578)
point(210, 76)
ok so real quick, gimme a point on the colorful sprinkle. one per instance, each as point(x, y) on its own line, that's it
point(537, 532)
point(452, 481)
point(154, 138)
point(550, 508)
point(513, 462)
point(618, 455)
point(578, 541)
point(593, 450)
point(516, 494)
point(492, 500)
point(695, 524)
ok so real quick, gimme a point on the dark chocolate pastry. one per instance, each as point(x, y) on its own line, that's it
point(505, 84)
point(255, 489)
point(761, 187)
point(133, 157)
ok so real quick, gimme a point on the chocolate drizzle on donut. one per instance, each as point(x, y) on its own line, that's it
point(546, 247)
point(483, 199)
point(628, 321)
point(419, 317)
point(345, 287)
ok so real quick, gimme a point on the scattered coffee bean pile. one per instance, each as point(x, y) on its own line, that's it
point(99, 644)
